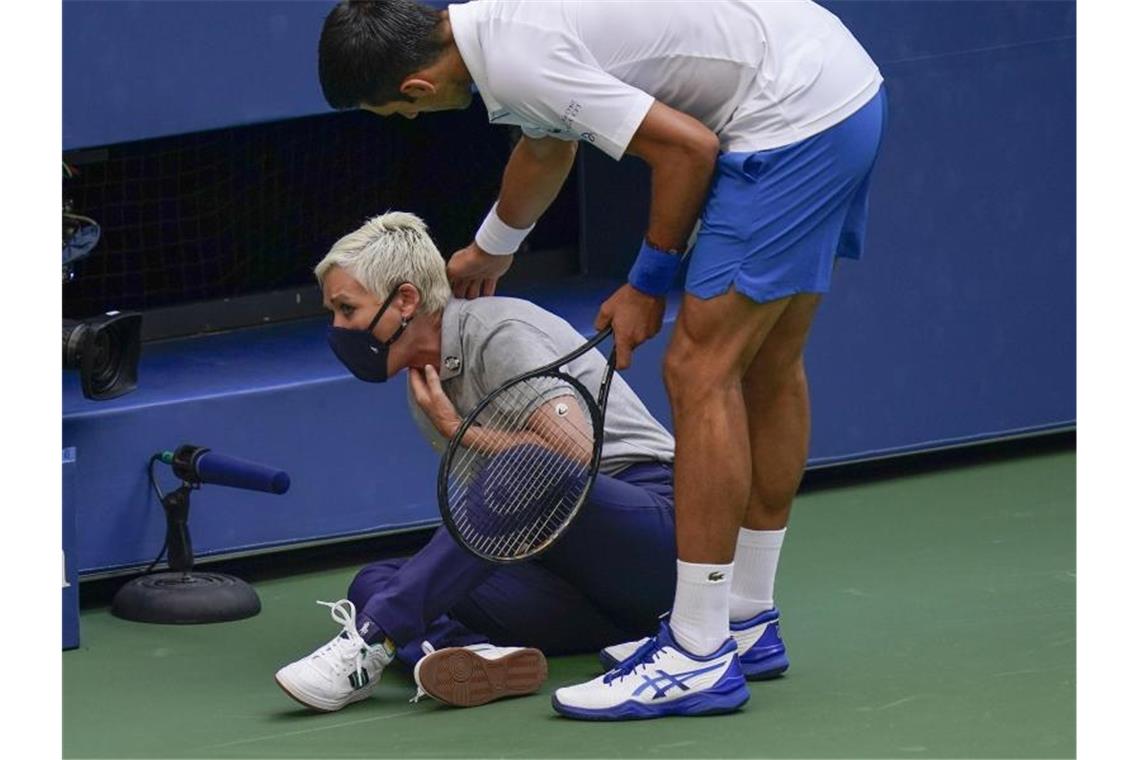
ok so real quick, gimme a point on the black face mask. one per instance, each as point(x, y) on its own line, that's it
point(360, 352)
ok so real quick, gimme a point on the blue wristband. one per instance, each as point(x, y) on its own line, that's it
point(654, 270)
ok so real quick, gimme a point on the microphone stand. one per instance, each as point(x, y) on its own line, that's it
point(183, 596)
point(179, 550)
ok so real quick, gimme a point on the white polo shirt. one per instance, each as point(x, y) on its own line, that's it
point(758, 73)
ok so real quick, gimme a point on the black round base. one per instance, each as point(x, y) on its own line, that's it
point(186, 598)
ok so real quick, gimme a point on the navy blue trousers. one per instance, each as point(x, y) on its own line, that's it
point(607, 580)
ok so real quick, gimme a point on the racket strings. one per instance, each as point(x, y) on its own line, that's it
point(517, 402)
point(503, 432)
point(541, 471)
point(570, 454)
point(509, 426)
point(526, 476)
point(545, 471)
point(557, 517)
point(525, 537)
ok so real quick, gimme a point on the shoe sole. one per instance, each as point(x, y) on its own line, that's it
point(461, 678)
point(357, 697)
point(770, 672)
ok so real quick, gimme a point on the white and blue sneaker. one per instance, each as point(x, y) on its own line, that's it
point(659, 679)
point(761, 649)
point(343, 671)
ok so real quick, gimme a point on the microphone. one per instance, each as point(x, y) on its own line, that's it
point(195, 465)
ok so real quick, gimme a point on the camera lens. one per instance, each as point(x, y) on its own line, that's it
point(105, 351)
point(105, 360)
point(74, 334)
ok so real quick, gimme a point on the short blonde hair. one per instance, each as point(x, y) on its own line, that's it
point(388, 250)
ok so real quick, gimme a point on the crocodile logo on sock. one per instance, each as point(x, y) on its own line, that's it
point(716, 576)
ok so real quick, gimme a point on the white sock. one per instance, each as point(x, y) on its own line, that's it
point(699, 619)
point(753, 583)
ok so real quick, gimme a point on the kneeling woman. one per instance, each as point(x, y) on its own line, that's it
point(607, 580)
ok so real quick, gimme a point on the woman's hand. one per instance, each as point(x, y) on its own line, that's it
point(428, 393)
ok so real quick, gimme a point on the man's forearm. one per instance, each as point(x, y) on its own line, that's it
point(534, 175)
point(682, 154)
point(679, 188)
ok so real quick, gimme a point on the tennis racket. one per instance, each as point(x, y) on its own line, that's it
point(522, 463)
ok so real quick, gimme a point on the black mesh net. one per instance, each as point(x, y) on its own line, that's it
point(251, 209)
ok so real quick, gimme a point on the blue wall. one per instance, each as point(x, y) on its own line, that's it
point(134, 69)
point(146, 68)
point(962, 320)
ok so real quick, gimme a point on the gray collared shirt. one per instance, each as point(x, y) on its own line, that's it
point(487, 341)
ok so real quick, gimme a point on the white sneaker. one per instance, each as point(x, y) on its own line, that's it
point(758, 643)
point(478, 674)
point(343, 671)
point(659, 679)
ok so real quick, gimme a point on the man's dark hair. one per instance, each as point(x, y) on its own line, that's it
point(368, 47)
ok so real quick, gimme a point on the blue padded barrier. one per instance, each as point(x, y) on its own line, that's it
point(358, 465)
point(278, 396)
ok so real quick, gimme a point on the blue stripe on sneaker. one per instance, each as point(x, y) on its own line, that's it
point(670, 680)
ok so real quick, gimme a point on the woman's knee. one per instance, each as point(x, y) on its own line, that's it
point(370, 579)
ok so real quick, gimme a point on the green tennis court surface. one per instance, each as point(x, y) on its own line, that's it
point(927, 615)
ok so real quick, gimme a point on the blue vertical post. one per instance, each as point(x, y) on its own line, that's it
point(70, 561)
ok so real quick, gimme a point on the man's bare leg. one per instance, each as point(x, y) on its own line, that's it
point(713, 345)
point(779, 425)
point(779, 416)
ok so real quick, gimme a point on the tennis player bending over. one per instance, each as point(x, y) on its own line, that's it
point(762, 121)
point(605, 581)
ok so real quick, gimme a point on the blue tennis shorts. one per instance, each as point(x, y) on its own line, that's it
point(776, 219)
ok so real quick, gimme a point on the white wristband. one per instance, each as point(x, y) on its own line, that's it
point(495, 237)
